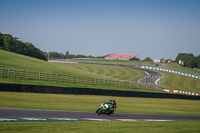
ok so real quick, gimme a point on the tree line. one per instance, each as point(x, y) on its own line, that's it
point(67, 55)
point(12, 44)
point(189, 60)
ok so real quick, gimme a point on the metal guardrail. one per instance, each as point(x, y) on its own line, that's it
point(171, 71)
point(20, 74)
point(185, 71)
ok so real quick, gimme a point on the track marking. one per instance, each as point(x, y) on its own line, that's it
point(69, 119)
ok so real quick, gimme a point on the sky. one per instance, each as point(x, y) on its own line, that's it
point(147, 28)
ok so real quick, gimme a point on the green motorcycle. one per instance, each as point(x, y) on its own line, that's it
point(106, 108)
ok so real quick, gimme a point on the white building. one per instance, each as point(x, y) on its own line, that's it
point(157, 61)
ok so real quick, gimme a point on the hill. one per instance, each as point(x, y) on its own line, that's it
point(10, 43)
point(9, 60)
point(170, 80)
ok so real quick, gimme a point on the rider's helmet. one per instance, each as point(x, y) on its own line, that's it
point(113, 102)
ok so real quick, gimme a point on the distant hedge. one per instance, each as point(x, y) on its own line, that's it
point(12, 44)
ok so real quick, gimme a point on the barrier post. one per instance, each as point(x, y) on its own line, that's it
point(67, 78)
point(56, 77)
point(39, 75)
point(27, 74)
point(21, 74)
point(14, 73)
point(1, 72)
point(8, 73)
point(61, 77)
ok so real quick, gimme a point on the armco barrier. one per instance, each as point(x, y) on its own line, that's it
point(172, 71)
point(182, 92)
point(89, 91)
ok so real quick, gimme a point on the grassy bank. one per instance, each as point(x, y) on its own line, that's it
point(13, 61)
point(91, 103)
point(179, 82)
point(170, 80)
point(65, 84)
point(175, 66)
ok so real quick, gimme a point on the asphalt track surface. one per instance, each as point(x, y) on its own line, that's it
point(152, 78)
point(37, 113)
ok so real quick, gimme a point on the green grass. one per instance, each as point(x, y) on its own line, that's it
point(99, 127)
point(9, 60)
point(170, 80)
point(175, 66)
point(15, 61)
point(64, 84)
point(117, 62)
point(179, 82)
point(91, 103)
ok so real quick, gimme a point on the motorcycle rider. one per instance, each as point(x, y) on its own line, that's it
point(111, 106)
point(112, 103)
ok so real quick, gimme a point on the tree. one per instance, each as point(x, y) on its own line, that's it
point(197, 60)
point(1, 42)
point(148, 59)
point(181, 56)
point(189, 60)
point(67, 55)
point(9, 43)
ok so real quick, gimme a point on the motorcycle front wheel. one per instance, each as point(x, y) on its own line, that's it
point(100, 112)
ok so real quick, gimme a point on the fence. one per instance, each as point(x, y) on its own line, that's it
point(19, 74)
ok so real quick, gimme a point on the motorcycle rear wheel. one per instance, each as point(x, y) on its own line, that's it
point(109, 113)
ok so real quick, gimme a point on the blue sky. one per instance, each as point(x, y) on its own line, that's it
point(148, 28)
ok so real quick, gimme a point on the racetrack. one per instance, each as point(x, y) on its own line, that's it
point(10, 113)
point(152, 78)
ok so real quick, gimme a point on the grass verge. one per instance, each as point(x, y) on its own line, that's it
point(99, 127)
point(65, 84)
point(91, 103)
point(179, 82)
point(177, 67)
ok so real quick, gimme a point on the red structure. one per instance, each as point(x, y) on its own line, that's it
point(120, 57)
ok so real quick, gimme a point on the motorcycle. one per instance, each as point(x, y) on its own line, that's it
point(106, 108)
